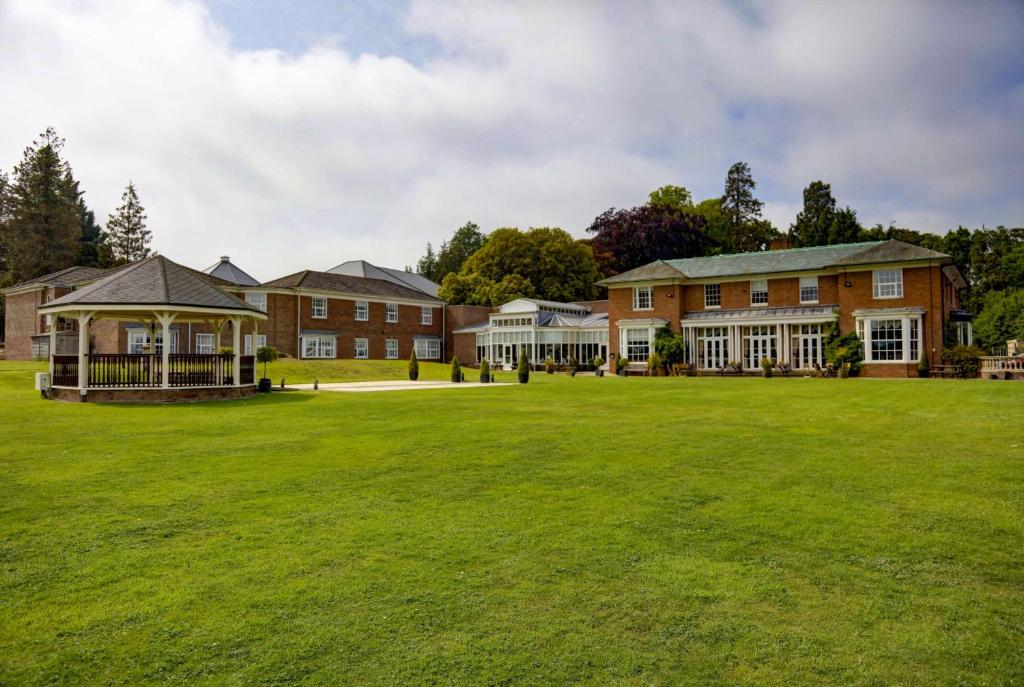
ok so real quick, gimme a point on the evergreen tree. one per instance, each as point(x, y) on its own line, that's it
point(42, 230)
point(814, 222)
point(453, 254)
point(129, 238)
point(95, 250)
point(745, 230)
point(427, 265)
point(845, 228)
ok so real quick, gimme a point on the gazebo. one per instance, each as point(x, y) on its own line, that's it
point(157, 293)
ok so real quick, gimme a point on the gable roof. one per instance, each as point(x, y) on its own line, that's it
point(343, 283)
point(789, 260)
point(153, 281)
point(230, 272)
point(361, 268)
point(65, 278)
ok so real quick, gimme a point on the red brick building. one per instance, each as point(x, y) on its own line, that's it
point(778, 304)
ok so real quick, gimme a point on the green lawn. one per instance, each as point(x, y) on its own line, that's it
point(666, 531)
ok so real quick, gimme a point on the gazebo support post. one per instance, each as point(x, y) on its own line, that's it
point(83, 350)
point(236, 334)
point(165, 319)
point(53, 344)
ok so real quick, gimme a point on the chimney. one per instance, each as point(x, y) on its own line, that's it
point(225, 258)
point(780, 243)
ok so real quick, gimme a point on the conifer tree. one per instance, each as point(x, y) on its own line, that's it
point(129, 238)
point(745, 230)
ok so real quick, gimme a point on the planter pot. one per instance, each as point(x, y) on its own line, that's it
point(264, 386)
point(599, 373)
point(524, 377)
point(456, 379)
point(413, 376)
point(922, 373)
point(767, 374)
point(843, 373)
point(485, 379)
point(572, 372)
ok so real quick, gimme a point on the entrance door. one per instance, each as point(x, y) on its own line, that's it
point(714, 348)
point(760, 344)
point(809, 346)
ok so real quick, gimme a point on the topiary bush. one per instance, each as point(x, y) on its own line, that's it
point(549, 366)
point(414, 367)
point(523, 365)
point(456, 370)
point(485, 371)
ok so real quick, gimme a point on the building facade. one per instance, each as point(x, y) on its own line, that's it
point(781, 304)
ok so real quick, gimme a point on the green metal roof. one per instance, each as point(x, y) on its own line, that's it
point(789, 260)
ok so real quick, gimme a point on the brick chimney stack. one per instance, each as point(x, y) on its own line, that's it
point(780, 243)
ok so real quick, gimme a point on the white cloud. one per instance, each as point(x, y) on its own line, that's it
point(533, 114)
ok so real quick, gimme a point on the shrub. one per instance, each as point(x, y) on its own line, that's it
point(597, 362)
point(766, 366)
point(922, 364)
point(573, 363)
point(414, 367)
point(844, 349)
point(967, 359)
point(621, 363)
point(523, 365)
point(670, 346)
point(549, 366)
point(456, 370)
point(653, 362)
point(266, 354)
point(485, 371)
point(226, 352)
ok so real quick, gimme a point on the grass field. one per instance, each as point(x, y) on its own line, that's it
point(571, 531)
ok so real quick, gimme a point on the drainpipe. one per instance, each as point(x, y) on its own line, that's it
point(444, 334)
point(298, 323)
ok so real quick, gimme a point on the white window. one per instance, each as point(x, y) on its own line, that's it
point(318, 346)
point(392, 312)
point(257, 300)
point(643, 297)
point(261, 341)
point(319, 308)
point(391, 349)
point(638, 345)
point(886, 340)
point(808, 289)
point(759, 292)
point(204, 343)
point(49, 318)
point(426, 315)
point(712, 295)
point(138, 341)
point(362, 348)
point(362, 311)
point(887, 283)
point(427, 349)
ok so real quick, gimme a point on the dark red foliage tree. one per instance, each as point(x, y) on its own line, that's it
point(628, 238)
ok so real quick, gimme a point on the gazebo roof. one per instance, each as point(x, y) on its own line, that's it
point(153, 282)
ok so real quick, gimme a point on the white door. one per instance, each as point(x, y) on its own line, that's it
point(808, 350)
point(716, 351)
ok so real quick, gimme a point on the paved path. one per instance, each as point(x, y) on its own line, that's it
point(360, 387)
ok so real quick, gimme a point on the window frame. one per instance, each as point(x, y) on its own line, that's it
point(247, 343)
point(364, 344)
point(762, 293)
point(212, 346)
point(423, 349)
point(321, 341)
point(641, 293)
point(638, 349)
point(390, 308)
point(365, 307)
point(261, 297)
point(390, 344)
point(426, 315)
point(879, 287)
point(318, 304)
point(802, 287)
point(714, 290)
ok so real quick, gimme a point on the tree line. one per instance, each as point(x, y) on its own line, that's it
point(547, 263)
point(46, 226)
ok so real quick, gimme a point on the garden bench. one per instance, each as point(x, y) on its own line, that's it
point(729, 369)
point(943, 371)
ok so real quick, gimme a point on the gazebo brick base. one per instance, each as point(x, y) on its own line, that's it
point(157, 395)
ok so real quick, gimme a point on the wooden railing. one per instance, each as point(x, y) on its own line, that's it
point(143, 370)
point(65, 370)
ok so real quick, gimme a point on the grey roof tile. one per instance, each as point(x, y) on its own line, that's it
point(344, 283)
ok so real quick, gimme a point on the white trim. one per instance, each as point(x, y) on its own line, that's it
point(100, 310)
point(387, 346)
point(637, 291)
point(313, 307)
point(426, 316)
point(364, 344)
point(388, 309)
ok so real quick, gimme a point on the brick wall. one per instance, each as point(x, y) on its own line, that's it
point(464, 348)
point(456, 317)
point(22, 323)
point(667, 303)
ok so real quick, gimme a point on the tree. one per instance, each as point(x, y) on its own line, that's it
point(544, 262)
point(94, 248)
point(624, 239)
point(453, 254)
point(844, 227)
point(815, 220)
point(745, 230)
point(129, 238)
point(676, 197)
point(42, 230)
point(1001, 318)
point(716, 224)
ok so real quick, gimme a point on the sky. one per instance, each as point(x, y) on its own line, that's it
point(300, 135)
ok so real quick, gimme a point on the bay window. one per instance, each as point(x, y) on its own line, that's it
point(890, 338)
point(638, 345)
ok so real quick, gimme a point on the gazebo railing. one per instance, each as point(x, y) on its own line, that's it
point(145, 370)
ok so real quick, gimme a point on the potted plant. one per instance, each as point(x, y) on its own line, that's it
point(485, 371)
point(922, 365)
point(549, 365)
point(654, 364)
point(573, 365)
point(227, 355)
point(523, 366)
point(766, 367)
point(456, 370)
point(597, 362)
point(621, 366)
point(414, 367)
point(265, 354)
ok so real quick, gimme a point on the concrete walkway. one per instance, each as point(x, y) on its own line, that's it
point(398, 385)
